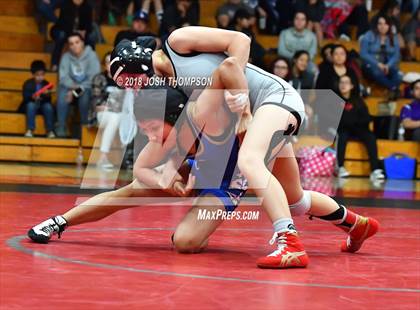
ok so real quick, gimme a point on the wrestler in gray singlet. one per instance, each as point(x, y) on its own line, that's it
point(264, 88)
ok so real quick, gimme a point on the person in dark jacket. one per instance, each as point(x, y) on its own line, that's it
point(355, 124)
point(180, 14)
point(75, 16)
point(411, 32)
point(330, 73)
point(242, 22)
point(35, 100)
point(359, 17)
point(326, 55)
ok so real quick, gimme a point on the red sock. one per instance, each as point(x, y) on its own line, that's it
point(350, 218)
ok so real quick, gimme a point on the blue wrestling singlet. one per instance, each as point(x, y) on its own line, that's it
point(215, 166)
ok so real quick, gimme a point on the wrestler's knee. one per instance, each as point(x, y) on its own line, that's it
point(302, 206)
point(185, 243)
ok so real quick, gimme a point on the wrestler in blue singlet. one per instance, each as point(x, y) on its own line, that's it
point(211, 154)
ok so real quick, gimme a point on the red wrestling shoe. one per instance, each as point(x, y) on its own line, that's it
point(289, 254)
point(364, 228)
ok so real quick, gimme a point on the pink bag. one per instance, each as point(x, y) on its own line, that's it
point(321, 185)
point(315, 161)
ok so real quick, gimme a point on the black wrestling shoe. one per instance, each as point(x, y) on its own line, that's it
point(43, 232)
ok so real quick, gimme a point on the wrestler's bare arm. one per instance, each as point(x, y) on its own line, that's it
point(150, 157)
point(212, 40)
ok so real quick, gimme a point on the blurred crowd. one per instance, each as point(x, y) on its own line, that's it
point(302, 58)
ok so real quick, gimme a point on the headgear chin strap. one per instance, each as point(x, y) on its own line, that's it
point(133, 57)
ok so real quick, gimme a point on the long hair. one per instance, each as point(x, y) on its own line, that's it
point(285, 60)
point(324, 48)
point(297, 55)
point(354, 94)
point(389, 22)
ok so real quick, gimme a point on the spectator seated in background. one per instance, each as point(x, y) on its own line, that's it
point(255, 9)
point(358, 17)
point(37, 98)
point(242, 22)
point(336, 13)
point(411, 32)
point(354, 123)
point(301, 78)
point(410, 114)
point(391, 9)
point(226, 12)
point(330, 73)
point(180, 14)
point(77, 68)
point(110, 11)
point(46, 10)
point(410, 6)
point(326, 56)
point(107, 100)
point(281, 68)
point(298, 38)
point(314, 10)
point(75, 16)
point(380, 53)
point(113, 10)
point(139, 28)
point(285, 11)
point(144, 6)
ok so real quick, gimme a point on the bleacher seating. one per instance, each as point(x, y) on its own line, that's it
point(22, 60)
point(13, 80)
point(14, 123)
point(20, 44)
point(39, 149)
point(17, 8)
point(102, 49)
point(18, 24)
point(374, 102)
point(10, 100)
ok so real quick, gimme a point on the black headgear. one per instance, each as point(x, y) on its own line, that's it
point(160, 102)
point(133, 57)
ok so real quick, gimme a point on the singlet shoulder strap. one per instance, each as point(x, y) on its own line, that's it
point(201, 134)
point(196, 133)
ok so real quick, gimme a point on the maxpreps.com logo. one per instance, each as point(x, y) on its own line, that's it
point(207, 215)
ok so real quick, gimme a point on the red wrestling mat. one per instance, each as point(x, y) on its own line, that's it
point(127, 261)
